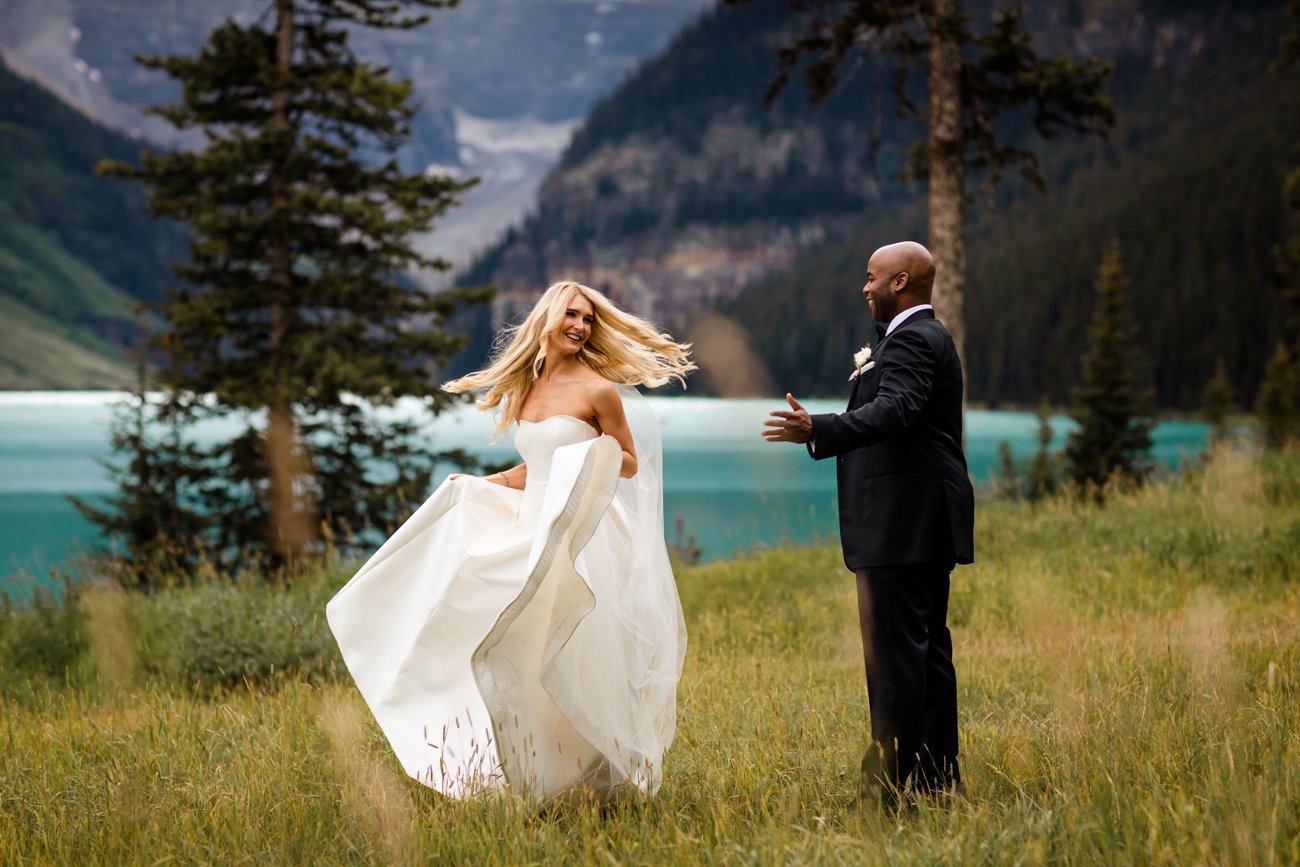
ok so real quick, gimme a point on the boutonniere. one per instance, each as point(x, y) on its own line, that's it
point(861, 362)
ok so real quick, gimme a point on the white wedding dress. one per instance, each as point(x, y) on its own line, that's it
point(530, 639)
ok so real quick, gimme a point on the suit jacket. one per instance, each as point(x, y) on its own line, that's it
point(905, 495)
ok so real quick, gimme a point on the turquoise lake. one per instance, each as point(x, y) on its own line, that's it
point(723, 483)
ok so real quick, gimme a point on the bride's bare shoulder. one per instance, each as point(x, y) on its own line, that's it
point(604, 396)
point(593, 383)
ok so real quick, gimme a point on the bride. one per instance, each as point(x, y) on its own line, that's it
point(523, 629)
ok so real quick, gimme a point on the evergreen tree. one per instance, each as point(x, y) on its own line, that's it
point(1042, 480)
point(294, 300)
point(1218, 401)
point(1287, 256)
point(1114, 433)
point(1276, 406)
point(152, 514)
point(974, 83)
point(1007, 483)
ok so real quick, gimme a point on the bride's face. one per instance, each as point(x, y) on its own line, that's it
point(572, 335)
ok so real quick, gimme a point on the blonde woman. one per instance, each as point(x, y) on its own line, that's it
point(523, 629)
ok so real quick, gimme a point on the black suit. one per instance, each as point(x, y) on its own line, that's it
point(906, 518)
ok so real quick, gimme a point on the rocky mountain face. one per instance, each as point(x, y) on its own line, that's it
point(683, 193)
point(503, 82)
point(682, 188)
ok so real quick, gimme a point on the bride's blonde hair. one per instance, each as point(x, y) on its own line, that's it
point(623, 348)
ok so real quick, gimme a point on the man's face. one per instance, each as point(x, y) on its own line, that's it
point(881, 297)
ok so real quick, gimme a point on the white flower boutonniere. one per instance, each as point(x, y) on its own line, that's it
point(861, 362)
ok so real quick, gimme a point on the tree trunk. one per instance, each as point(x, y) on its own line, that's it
point(290, 525)
point(947, 174)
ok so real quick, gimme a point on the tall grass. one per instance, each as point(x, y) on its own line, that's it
point(1129, 694)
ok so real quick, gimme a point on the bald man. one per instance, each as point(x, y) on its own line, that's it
point(906, 519)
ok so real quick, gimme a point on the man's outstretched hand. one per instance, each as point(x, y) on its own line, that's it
point(789, 427)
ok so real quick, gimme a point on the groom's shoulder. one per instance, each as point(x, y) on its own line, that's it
point(929, 333)
point(925, 328)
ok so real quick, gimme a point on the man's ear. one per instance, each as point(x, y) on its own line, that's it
point(901, 281)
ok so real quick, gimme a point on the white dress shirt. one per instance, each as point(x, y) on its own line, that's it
point(902, 317)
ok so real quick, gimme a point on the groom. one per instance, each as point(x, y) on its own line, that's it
point(906, 518)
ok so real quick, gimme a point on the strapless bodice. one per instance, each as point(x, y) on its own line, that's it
point(536, 443)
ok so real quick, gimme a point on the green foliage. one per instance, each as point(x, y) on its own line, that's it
point(1129, 692)
point(75, 250)
point(296, 316)
point(1007, 482)
point(1043, 478)
point(50, 197)
point(1278, 403)
point(149, 515)
point(42, 643)
point(242, 633)
point(1000, 75)
point(1277, 406)
point(1114, 414)
point(1218, 401)
point(1218, 128)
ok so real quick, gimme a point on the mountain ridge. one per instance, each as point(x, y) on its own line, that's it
point(1188, 78)
point(76, 251)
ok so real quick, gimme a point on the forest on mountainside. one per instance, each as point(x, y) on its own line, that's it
point(75, 249)
point(1189, 181)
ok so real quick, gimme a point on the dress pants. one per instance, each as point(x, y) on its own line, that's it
point(911, 683)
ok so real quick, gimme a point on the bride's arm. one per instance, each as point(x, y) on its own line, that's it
point(608, 405)
point(511, 478)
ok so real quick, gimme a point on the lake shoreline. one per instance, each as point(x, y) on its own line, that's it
point(732, 490)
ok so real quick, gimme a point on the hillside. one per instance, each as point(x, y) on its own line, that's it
point(1189, 182)
point(75, 250)
point(681, 188)
point(501, 83)
point(682, 193)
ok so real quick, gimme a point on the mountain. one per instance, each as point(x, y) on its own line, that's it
point(75, 250)
point(1189, 182)
point(682, 193)
point(502, 82)
point(681, 188)
point(502, 85)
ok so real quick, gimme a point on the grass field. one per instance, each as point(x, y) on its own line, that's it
point(1129, 687)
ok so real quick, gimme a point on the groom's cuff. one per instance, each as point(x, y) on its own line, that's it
point(817, 421)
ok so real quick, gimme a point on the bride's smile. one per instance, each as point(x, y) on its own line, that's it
point(579, 318)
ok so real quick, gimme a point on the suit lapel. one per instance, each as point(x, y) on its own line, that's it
point(881, 339)
point(877, 334)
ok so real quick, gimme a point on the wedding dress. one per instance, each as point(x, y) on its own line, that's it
point(530, 639)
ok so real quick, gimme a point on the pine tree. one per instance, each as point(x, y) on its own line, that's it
point(294, 299)
point(1114, 433)
point(1007, 481)
point(1279, 405)
point(1276, 405)
point(1218, 402)
point(151, 515)
point(1042, 480)
point(974, 82)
